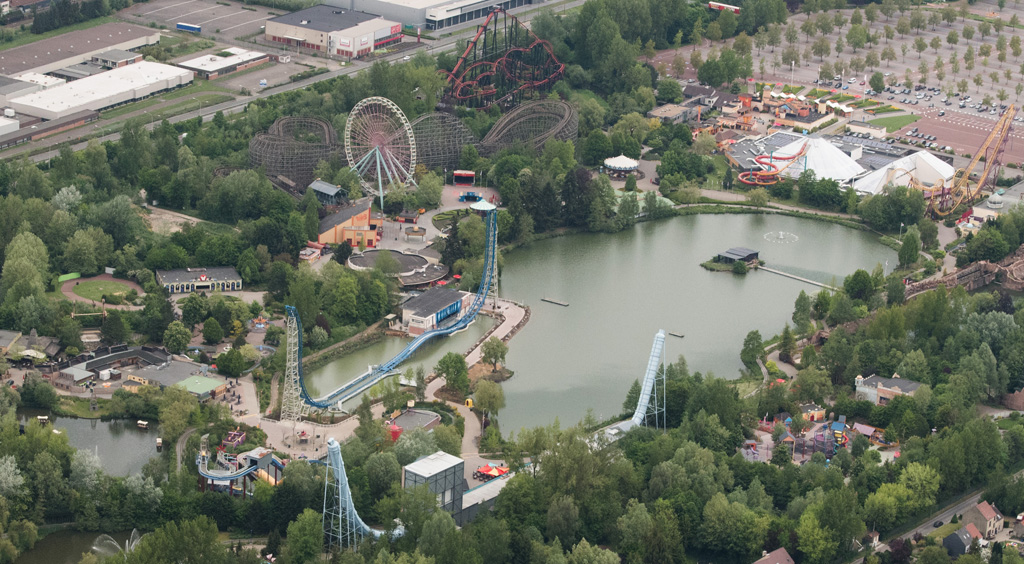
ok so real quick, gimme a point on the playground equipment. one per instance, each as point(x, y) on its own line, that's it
point(944, 199)
point(230, 468)
point(770, 174)
point(295, 394)
point(343, 527)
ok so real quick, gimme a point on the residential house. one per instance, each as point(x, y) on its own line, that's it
point(986, 518)
point(777, 556)
point(958, 542)
point(880, 390)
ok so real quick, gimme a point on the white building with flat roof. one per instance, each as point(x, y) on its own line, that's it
point(235, 59)
point(101, 91)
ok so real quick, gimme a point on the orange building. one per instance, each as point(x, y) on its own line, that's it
point(354, 223)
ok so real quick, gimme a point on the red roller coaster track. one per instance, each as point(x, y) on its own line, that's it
point(770, 176)
point(502, 62)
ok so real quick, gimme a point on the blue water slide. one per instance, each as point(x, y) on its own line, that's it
point(357, 386)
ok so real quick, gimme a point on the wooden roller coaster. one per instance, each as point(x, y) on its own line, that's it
point(944, 199)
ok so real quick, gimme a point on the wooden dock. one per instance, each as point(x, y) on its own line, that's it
point(795, 277)
point(556, 302)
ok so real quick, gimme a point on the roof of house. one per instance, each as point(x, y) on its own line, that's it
point(413, 418)
point(344, 214)
point(866, 125)
point(7, 338)
point(200, 385)
point(973, 531)
point(324, 187)
point(960, 540)
point(694, 90)
point(432, 301)
point(433, 464)
point(904, 386)
point(864, 429)
point(988, 511)
point(838, 426)
point(324, 18)
point(183, 275)
point(738, 253)
point(50, 346)
point(807, 407)
point(777, 556)
point(667, 111)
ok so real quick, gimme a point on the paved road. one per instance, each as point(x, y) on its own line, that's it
point(179, 448)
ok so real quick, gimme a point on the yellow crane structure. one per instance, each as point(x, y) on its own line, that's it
point(944, 199)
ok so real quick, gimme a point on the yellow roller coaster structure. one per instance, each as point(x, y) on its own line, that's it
point(944, 199)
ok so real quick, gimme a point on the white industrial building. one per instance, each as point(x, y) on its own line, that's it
point(922, 165)
point(428, 14)
point(213, 66)
point(101, 91)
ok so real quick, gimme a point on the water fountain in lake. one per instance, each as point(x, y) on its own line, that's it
point(106, 546)
point(780, 237)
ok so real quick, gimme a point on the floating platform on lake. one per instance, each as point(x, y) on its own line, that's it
point(556, 302)
point(680, 335)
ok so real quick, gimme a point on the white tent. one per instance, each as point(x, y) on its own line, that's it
point(824, 158)
point(926, 167)
point(621, 162)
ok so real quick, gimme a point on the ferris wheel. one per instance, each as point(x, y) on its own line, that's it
point(380, 145)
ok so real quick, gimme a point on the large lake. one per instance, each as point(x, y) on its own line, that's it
point(621, 289)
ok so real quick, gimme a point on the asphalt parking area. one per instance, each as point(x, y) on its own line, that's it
point(965, 130)
point(215, 18)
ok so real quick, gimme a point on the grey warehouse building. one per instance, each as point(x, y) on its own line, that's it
point(443, 474)
point(429, 14)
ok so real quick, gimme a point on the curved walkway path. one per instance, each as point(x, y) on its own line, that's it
point(68, 289)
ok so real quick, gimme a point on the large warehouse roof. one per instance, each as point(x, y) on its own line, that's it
point(924, 166)
point(824, 158)
point(74, 47)
point(324, 18)
point(102, 90)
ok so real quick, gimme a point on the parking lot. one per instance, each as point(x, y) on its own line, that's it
point(965, 130)
point(231, 21)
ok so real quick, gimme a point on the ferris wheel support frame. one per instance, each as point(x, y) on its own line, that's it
point(381, 163)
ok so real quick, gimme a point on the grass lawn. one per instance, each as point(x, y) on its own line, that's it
point(96, 289)
point(894, 123)
point(26, 37)
point(884, 110)
point(944, 531)
point(196, 88)
point(866, 103)
point(817, 93)
point(841, 98)
point(789, 89)
point(79, 407)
